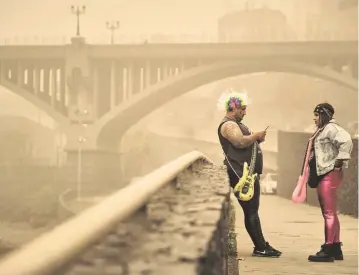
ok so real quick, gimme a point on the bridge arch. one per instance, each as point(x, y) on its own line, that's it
point(36, 101)
point(113, 125)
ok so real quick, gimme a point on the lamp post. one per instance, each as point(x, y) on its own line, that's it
point(81, 140)
point(78, 11)
point(112, 26)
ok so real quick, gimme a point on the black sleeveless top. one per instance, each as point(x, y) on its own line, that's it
point(238, 156)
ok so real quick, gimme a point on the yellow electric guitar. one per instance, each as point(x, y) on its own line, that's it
point(244, 189)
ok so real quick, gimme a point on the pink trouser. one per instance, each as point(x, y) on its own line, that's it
point(327, 195)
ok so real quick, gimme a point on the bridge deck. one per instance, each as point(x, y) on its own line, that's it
point(296, 230)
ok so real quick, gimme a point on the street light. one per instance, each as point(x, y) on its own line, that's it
point(112, 27)
point(78, 11)
point(81, 140)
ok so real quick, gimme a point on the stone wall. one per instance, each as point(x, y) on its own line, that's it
point(183, 229)
point(291, 150)
point(233, 268)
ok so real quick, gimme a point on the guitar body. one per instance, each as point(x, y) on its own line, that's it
point(244, 189)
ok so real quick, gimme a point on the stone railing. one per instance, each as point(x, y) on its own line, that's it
point(174, 220)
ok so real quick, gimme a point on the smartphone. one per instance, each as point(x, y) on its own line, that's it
point(266, 129)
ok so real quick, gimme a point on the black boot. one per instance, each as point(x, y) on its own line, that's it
point(336, 252)
point(324, 255)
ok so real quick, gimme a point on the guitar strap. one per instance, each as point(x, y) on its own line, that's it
point(253, 160)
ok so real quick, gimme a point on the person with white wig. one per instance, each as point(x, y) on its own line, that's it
point(241, 148)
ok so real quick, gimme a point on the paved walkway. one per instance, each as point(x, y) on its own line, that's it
point(296, 230)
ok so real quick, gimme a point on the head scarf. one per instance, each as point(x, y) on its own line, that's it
point(324, 108)
point(325, 111)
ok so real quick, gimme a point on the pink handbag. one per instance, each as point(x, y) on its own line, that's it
point(300, 192)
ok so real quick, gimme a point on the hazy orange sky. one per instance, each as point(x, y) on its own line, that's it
point(53, 17)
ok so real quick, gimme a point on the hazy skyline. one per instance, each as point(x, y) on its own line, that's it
point(49, 18)
point(23, 18)
point(54, 18)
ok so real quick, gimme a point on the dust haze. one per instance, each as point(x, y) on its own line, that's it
point(40, 181)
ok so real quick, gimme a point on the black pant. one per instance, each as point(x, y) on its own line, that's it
point(250, 210)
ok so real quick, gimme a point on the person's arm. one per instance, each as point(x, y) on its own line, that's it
point(231, 131)
point(342, 140)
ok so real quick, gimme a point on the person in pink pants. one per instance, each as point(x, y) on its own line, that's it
point(329, 152)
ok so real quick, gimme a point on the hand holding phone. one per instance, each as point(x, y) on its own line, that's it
point(262, 136)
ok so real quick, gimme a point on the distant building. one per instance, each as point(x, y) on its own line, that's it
point(311, 19)
point(348, 4)
point(347, 19)
point(249, 25)
point(339, 21)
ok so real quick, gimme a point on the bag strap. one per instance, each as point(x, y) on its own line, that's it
point(252, 164)
point(253, 160)
point(234, 171)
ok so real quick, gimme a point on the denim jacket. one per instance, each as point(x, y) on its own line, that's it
point(332, 143)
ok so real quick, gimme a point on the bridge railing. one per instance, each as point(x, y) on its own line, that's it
point(173, 219)
point(275, 36)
